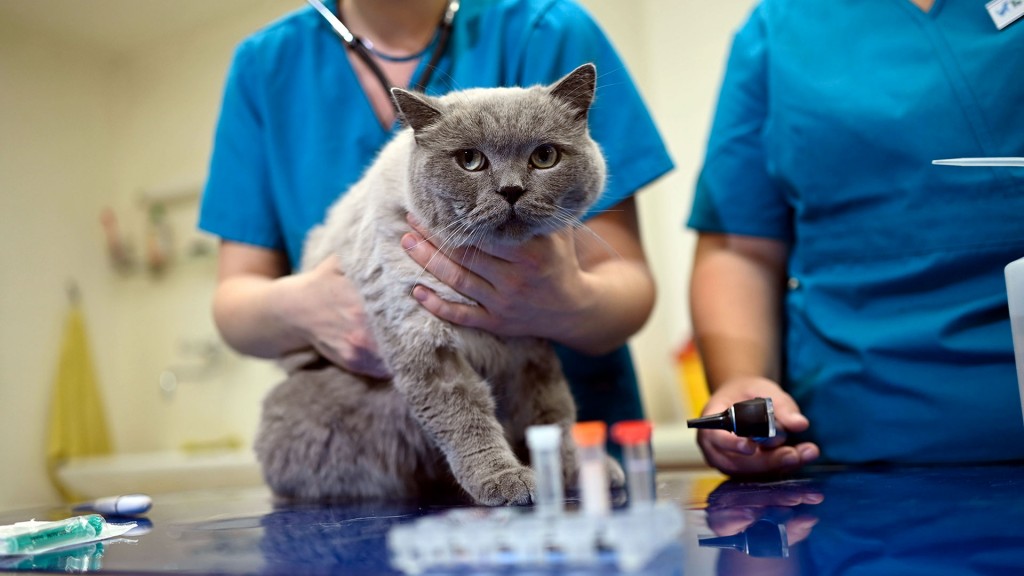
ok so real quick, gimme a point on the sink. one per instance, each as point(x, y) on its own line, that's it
point(160, 472)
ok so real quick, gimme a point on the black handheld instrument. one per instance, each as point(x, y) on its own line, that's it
point(751, 418)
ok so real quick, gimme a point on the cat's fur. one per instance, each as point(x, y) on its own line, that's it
point(455, 413)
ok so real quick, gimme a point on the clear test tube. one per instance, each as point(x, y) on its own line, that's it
point(635, 438)
point(545, 444)
point(593, 470)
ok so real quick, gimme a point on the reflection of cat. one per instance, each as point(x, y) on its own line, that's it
point(498, 165)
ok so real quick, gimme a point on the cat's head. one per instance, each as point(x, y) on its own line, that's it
point(503, 164)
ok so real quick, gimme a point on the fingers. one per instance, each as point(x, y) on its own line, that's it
point(460, 314)
point(799, 528)
point(369, 365)
point(787, 413)
point(458, 277)
point(358, 362)
point(740, 456)
point(788, 496)
point(490, 261)
point(457, 268)
point(356, 354)
point(737, 456)
point(478, 258)
point(732, 520)
point(809, 452)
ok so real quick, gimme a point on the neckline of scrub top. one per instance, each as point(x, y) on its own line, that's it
point(417, 73)
point(931, 14)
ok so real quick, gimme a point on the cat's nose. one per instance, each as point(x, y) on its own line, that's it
point(511, 193)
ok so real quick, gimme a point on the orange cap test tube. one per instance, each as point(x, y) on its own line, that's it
point(593, 471)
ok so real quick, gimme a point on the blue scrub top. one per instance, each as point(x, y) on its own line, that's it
point(898, 343)
point(296, 130)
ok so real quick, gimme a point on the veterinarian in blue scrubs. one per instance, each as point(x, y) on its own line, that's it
point(302, 117)
point(839, 271)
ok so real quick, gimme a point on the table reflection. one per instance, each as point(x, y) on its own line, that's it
point(930, 520)
point(86, 558)
point(304, 537)
point(940, 520)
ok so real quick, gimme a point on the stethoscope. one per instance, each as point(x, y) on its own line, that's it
point(364, 49)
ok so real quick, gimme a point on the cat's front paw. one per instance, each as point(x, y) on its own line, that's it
point(570, 465)
point(616, 477)
point(509, 487)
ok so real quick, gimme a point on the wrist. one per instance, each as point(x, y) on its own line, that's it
point(285, 301)
point(748, 386)
point(577, 323)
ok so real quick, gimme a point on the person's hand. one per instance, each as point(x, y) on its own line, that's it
point(526, 290)
point(734, 507)
point(329, 310)
point(735, 455)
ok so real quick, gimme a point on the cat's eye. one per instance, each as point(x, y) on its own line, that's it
point(545, 156)
point(471, 159)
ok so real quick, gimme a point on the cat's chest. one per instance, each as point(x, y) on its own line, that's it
point(378, 262)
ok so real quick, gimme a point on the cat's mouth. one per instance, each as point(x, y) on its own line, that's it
point(518, 226)
point(512, 222)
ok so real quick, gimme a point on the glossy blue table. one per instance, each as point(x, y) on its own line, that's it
point(841, 521)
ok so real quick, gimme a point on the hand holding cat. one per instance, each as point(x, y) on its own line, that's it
point(735, 455)
point(341, 335)
point(525, 290)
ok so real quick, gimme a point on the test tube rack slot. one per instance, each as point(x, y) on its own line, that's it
point(495, 538)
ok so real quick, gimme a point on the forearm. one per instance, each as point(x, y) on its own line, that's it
point(249, 311)
point(616, 293)
point(619, 297)
point(736, 301)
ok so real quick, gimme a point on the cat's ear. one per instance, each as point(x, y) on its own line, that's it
point(577, 89)
point(416, 109)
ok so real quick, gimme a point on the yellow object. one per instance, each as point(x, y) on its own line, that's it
point(78, 426)
point(691, 378)
point(225, 443)
point(702, 488)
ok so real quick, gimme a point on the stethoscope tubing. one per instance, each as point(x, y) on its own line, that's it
point(359, 48)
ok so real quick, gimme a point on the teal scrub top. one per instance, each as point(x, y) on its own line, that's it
point(296, 130)
point(897, 337)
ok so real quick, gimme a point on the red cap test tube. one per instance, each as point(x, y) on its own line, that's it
point(635, 438)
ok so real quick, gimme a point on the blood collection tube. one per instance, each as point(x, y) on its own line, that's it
point(593, 471)
point(635, 438)
point(545, 444)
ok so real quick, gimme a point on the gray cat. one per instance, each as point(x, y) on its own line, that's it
point(498, 165)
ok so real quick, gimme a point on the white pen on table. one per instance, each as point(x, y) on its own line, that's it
point(125, 505)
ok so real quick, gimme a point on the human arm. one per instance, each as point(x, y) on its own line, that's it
point(261, 311)
point(736, 293)
point(589, 289)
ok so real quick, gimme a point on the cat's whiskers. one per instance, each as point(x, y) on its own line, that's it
point(460, 226)
point(475, 250)
point(578, 228)
point(453, 240)
point(448, 80)
point(470, 237)
point(568, 218)
point(427, 239)
point(474, 240)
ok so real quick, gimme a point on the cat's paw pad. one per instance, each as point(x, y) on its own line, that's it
point(570, 467)
point(616, 477)
point(513, 486)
